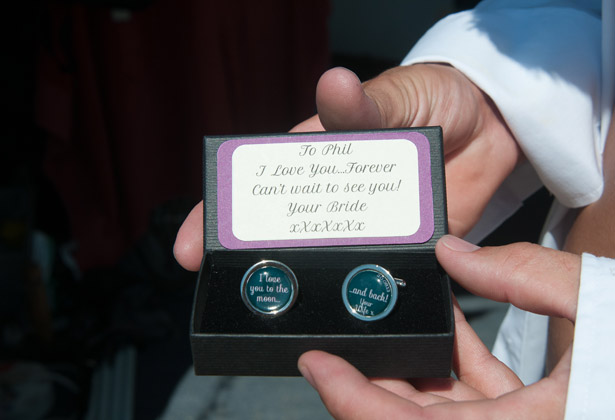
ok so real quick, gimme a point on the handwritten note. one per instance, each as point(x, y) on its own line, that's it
point(323, 190)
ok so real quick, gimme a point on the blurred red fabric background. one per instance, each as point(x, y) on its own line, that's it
point(125, 97)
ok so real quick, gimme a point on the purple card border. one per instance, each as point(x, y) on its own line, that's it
point(225, 153)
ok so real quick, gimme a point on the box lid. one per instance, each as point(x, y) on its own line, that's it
point(379, 189)
point(324, 204)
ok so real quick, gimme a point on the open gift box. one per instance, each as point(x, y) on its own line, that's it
point(317, 207)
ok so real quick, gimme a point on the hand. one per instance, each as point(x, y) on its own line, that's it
point(529, 276)
point(480, 151)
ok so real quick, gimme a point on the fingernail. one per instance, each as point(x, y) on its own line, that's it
point(457, 244)
point(306, 373)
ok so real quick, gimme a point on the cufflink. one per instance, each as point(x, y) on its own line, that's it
point(370, 292)
point(269, 288)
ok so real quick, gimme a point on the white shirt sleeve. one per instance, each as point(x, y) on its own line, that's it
point(590, 390)
point(540, 63)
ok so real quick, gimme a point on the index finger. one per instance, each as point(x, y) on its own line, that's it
point(531, 277)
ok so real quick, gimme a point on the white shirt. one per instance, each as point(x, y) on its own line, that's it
point(541, 63)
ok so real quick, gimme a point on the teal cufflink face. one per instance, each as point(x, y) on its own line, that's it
point(269, 288)
point(369, 292)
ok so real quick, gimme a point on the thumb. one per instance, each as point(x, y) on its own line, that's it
point(531, 277)
point(403, 96)
point(343, 104)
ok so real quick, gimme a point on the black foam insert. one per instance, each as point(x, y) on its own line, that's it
point(319, 308)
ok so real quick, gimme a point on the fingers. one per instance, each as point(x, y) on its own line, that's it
point(188, 248)
point(348, 394)
point(545, 399)
point(561, 372)
point(531, 277)
point(474, 364)
point(539, 401)
point(428, 391)
point(311, 124)
point(480, 373)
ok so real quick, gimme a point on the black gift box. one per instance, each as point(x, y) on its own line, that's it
point(414, 340)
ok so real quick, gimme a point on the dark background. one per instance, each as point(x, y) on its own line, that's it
point(105, 103)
